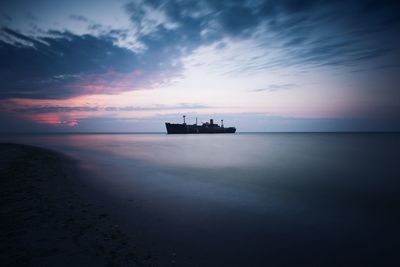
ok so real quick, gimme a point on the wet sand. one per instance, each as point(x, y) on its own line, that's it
point(49, 217)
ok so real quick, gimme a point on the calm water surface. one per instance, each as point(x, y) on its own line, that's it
point(249, 199)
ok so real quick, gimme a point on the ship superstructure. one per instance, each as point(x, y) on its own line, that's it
point(207, 127)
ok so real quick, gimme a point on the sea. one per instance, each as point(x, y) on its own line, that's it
point(248, 199)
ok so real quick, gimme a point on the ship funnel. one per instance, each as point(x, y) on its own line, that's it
point(222, 123)
point(211, 121)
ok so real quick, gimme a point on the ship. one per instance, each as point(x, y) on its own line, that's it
point(205, 128)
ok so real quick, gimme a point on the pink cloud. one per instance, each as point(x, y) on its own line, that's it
point(71, 123)
point(53, 119)
point(110, 82)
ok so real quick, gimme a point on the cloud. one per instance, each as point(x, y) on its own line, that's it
point(310, 34)
point(67, 109)
point(275, 87)
point(72, 116)
point(290, 33)
point(180, 106)
point(79, 18)
point(55, 109)
point(65, 65)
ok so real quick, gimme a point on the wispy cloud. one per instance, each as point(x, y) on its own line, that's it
point(68, 109)
point(78, 18)
point(275, 87)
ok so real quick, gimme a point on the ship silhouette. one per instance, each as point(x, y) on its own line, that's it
point(205, 128)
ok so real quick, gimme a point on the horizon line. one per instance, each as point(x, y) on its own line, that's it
point(246, 132)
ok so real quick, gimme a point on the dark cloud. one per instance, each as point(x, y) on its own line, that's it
point(11, 124)
point(313, 32)
point(64, 65)
point(29, 70)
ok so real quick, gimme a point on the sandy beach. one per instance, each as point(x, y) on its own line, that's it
point(50, 218)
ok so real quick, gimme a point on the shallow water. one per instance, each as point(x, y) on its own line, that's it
point(249, 199)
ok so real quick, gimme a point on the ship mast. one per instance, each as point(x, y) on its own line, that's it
point(184, 116)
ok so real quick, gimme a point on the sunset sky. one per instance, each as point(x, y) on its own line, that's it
point(130, 66)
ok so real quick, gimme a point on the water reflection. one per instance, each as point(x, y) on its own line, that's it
point(303, 194)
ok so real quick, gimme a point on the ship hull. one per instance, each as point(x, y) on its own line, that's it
point(195, 129)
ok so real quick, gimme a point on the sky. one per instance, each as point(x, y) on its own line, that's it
point(131, 66)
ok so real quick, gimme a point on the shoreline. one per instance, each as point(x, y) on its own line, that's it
point(51, 218)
